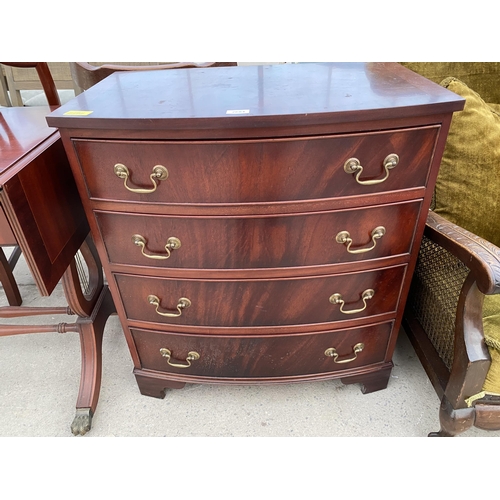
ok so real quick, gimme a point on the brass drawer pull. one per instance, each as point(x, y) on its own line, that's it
point(332, 352)
point(353, 165)
point(183, 303)
point(160, 173)
point(344, 237)
point(336, 298)
point(172, 244)
point(192, 356)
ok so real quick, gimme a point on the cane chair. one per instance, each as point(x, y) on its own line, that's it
point(452, 315)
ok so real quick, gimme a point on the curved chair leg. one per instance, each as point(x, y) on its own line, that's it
point(91, 331)
point(91, 301)
point(453, 421)
point(93, 308)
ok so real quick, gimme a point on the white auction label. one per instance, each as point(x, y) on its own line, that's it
point(237, 112)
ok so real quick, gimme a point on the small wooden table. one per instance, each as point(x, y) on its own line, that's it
point(40, 210)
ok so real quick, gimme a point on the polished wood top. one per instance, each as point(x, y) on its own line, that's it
point(38, 194)
point(21, 130)
point(255, 96)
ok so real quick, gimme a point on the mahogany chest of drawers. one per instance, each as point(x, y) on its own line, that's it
point(258, 224)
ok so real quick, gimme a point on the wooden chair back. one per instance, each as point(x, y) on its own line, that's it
point(43, 71)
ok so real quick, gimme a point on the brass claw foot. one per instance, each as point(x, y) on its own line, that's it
point(82, 421)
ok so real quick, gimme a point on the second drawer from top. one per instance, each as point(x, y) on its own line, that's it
point(259, 242)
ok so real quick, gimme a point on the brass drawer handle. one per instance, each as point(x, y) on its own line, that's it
point(192, 356)
point(336, 298)
point(172, 244)
point(332, 352)
point(183, 303)
point(160, 173)
point(344, 237)
point(353, 165)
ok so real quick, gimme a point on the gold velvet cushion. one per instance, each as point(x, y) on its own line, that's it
point(468, 192)
point(491, 327)
point(468, 185)
point(481, 76)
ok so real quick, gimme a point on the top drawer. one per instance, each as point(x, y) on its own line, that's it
point(257, 171)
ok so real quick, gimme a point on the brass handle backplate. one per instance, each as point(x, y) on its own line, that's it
point(336, 298)
point(160, 173)
point(332, 352)
point(172, 244)
point(192, 356)
point(182, 303)
point(353, 166)
point(344, 237)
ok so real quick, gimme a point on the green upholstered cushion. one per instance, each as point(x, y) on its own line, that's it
point(491, 327)
point(468, 184)
point(483, 77)
point(468, 193)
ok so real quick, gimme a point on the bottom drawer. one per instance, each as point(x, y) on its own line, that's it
point(262, 356)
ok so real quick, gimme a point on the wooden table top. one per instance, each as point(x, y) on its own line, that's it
point(38, 194)
point(253, 96)
point(21, 130)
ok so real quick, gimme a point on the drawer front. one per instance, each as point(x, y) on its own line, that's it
point(247, 303)
point(256, 171)
point(248, 357)
point(259, 242)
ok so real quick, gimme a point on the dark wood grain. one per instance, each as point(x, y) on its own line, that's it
point(262, 302)
point(487, 416)
point(261, 356)
point(257, 199)
point(275, 95)
point(257, 171)
point(259, 242)
point(6, 235)
point(21, 130)
point(45, 212)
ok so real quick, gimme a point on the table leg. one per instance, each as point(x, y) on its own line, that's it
point(93, 309)
point(91, 331)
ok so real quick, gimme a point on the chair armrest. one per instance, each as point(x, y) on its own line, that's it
point(479, 255)
point(471, 358)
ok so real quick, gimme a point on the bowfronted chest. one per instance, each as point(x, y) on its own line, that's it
point(259, 224)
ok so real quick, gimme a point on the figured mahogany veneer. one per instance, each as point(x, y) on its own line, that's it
point(259, 242)
point(270, 170)
point(245, 303)
point(256, 195)
point(261, 356)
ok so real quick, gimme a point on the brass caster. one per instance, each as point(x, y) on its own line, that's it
point(82, 422)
